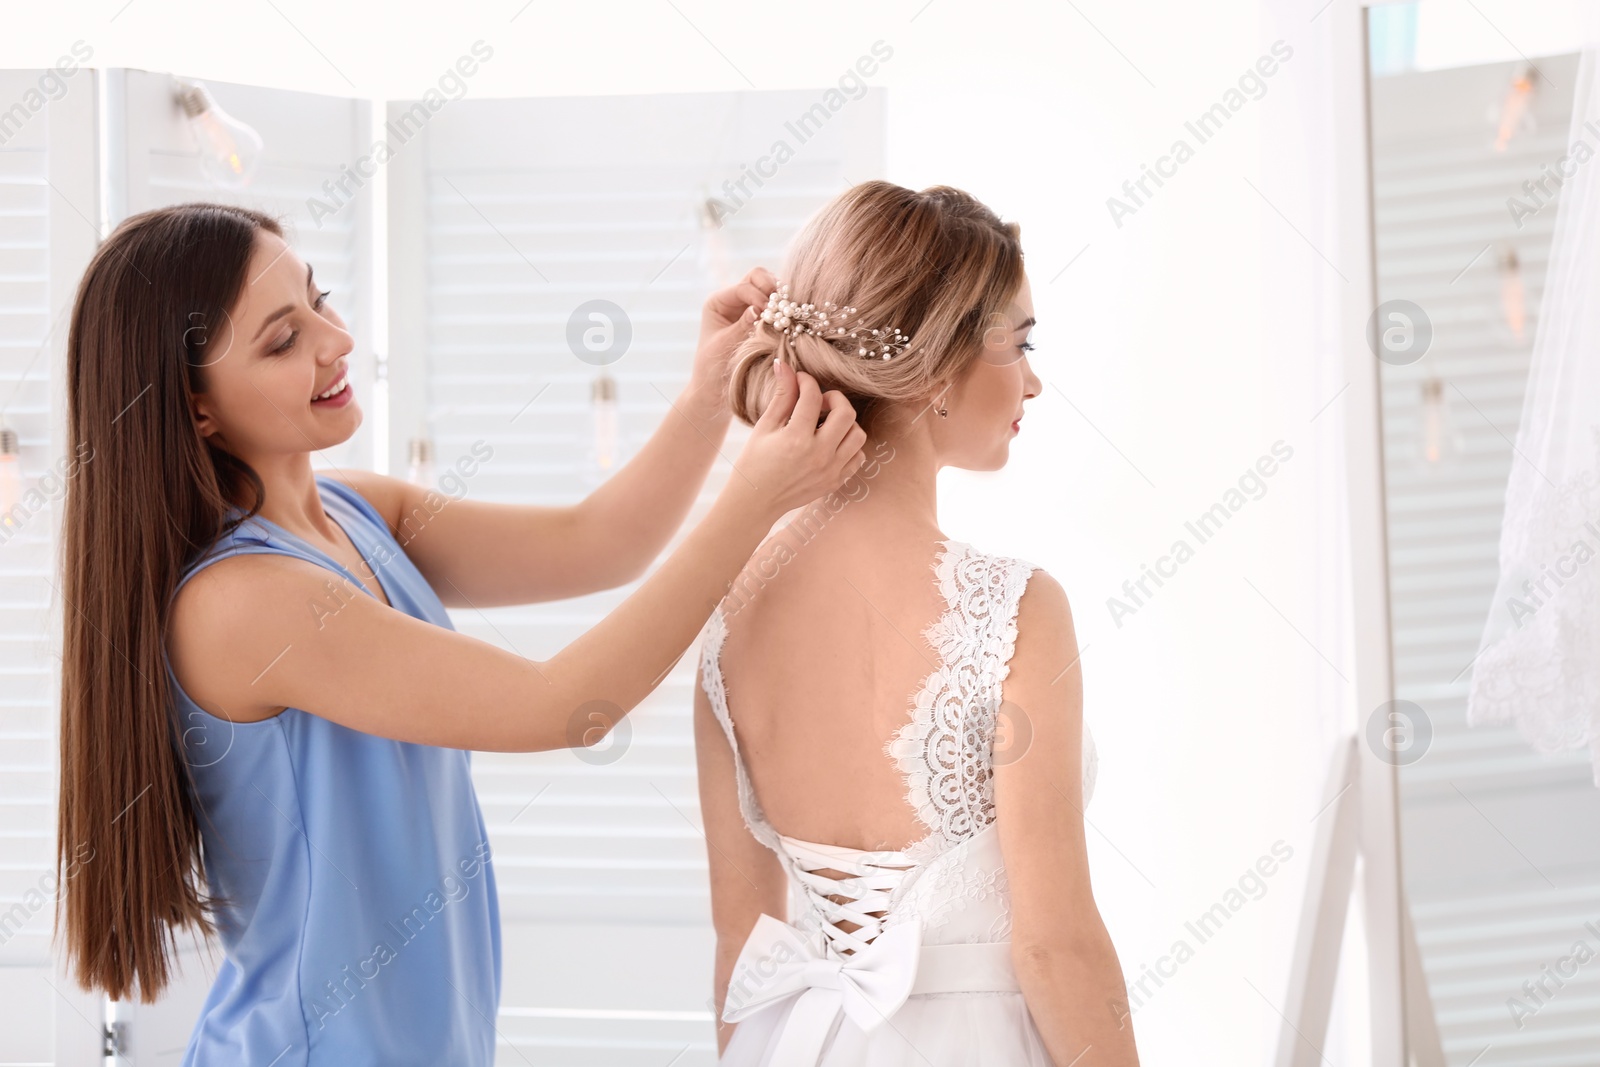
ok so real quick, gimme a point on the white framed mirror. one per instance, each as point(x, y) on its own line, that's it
point(1482, 856)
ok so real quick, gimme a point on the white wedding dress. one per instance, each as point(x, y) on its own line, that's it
point(929, 982)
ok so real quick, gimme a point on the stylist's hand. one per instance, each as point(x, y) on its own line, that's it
point(726, 319)
point(788, 459)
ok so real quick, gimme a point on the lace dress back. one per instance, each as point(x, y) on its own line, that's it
point(950, 885)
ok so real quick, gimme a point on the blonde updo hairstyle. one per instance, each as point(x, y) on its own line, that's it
point(936, 264)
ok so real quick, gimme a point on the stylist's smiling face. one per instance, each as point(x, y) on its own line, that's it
point(281, 349)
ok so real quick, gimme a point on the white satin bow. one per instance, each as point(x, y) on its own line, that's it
point(778, 962)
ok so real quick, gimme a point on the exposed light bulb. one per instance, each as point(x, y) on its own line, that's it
point(420, 461)
point(1439, 434)
point(1515, 109)
point(10, 476)
point(230, 151)
point(1513, 297)
point(605, 420)
point(713, 253)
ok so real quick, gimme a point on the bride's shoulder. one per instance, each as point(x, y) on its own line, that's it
point(1032, 593)
point(1044, 635)
point(959, 556)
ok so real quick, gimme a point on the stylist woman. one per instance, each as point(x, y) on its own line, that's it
point(265, 711)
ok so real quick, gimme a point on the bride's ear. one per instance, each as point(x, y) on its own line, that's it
point(937, 399)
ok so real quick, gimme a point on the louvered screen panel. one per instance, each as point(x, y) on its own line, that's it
point(48, 209)
point(527, 209)
point(27, 800)
point(1501, 847)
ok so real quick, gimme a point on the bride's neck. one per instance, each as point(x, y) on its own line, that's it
point(897, 488)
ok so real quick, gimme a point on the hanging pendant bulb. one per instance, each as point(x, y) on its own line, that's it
point(1516, 113)
point(1439, 441)
point(1513, 297)
point(230, 151)
point(10, 477)
point(713, 255)
point(605, 420)
point(420, 461)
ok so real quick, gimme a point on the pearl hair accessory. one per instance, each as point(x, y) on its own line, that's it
point(794, 318)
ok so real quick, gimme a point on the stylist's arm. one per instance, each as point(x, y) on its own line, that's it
point(479, 553)
point(381, 671)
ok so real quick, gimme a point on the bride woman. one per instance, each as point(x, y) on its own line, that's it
point(889, 728)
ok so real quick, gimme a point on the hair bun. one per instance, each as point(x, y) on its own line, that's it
point(893, 289)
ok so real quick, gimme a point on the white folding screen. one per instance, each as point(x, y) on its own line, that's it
point(506, 218)
point(48, 231)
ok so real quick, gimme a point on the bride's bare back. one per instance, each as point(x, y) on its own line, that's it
point(823, 656)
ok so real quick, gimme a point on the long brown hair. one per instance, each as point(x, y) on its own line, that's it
point(147, 497)
point(938, 265)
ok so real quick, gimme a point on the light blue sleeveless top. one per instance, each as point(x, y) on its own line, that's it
point(363, 925)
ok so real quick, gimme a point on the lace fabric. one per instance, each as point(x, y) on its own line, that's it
point(953, 879)
point(943, 751)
